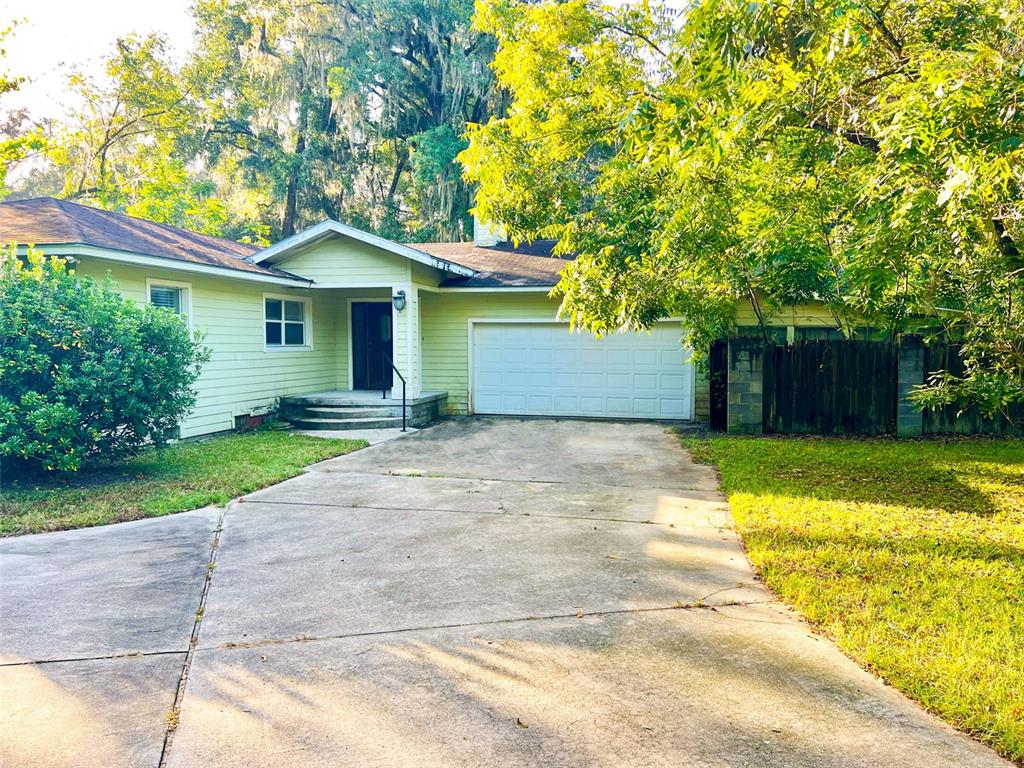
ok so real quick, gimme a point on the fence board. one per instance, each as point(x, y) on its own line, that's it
point(951, 420)
point(830, 387)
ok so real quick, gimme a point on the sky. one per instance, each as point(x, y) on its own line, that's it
point(59, 35)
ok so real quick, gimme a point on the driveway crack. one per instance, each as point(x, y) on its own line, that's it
point(174, 715)
point(697, 605)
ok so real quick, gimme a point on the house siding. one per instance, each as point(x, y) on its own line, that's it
point(814, 314)
point(241, 376)
point(341, 261)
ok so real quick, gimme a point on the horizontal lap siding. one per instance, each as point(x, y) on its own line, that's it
point(338, 261)
point(813, 314)
point(445, 334)
point(240, 375)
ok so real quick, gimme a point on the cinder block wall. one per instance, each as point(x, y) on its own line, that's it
point(701, 396)
point(746, 387)
point(910, 373)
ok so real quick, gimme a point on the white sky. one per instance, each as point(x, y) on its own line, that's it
point(60, 35)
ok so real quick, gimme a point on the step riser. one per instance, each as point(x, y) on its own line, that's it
point(346, 424)
point(342, 402)
point(348, 413)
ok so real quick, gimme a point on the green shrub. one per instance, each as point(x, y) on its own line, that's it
point(85, 372)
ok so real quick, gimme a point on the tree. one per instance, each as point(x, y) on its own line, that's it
point(87, 373)
point(18, 139)
point(288, 112)
point(865, 155)
point(127, 147)
point(349, 111)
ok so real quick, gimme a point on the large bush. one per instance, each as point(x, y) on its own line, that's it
point(84, 372)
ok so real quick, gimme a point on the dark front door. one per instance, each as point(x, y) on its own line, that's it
point(371, 345)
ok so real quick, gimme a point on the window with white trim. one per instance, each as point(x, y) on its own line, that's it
point(286, 322)
point(170, 295)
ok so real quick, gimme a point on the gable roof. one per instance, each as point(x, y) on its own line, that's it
point(330, 228)
point(46, 221)
point(503, 265)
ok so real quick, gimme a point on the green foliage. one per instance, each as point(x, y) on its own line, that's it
point(906, 553)
point(866, 156)
point(124, 151)
point(287, 113)
point(162, 481)
point(86, 372)
point(17, 141)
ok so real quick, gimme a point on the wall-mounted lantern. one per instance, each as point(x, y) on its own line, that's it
point(399, 300)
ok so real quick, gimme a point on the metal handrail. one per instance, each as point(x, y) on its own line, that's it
point(384, 393)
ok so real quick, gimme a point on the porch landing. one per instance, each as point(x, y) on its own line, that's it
point(361, 409)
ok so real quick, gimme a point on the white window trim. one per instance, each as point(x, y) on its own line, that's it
point(186, 289)
point(307, 323)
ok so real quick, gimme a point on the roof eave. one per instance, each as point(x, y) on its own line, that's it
point(164, 262)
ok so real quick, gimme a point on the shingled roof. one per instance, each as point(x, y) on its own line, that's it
point(501, 266)
point(46, 221)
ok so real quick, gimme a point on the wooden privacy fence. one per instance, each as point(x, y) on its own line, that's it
point(830, 387)
point(838, 387)
point(954, 419)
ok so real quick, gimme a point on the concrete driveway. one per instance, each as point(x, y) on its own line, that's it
point(481, 593)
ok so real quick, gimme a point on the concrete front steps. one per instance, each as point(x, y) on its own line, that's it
point(357, 410)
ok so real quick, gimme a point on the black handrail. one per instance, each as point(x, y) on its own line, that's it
point(384, 393)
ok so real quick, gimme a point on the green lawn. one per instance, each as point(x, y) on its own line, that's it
point(910, 555)
point(160, 482)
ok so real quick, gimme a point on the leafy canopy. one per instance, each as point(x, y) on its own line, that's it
point(286, 113)
point(865, 155)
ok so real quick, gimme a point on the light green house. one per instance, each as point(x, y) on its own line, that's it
point(339, 317)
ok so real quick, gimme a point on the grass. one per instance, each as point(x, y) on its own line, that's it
point(160, 482)
point(909, 555)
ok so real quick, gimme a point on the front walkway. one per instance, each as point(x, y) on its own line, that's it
point(480, 593)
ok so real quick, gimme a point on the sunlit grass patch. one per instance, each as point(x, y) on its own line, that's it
point(909, 554)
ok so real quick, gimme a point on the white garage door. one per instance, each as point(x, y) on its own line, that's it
point(541, 369)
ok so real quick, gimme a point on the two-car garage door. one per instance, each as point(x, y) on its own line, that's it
point(541, 369)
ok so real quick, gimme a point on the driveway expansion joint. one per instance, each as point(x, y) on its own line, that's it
point(501, 512)
point(438, 476)
point(696, 605)
point(174, 715)
point(104, 657)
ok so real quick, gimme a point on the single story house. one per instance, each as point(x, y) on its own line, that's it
point(340, 316)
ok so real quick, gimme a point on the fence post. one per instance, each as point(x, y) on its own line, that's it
point(745, 412)
point(910, 373)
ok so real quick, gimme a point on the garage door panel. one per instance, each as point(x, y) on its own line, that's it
point(543, 369)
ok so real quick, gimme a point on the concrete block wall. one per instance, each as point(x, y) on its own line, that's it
point(701, 396)
point(746, 387)
point(910, 373)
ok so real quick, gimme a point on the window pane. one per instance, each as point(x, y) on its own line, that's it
point(163, 296)
point(293, 310)
point(273, 333)
point(294, 333)
point(274, 309)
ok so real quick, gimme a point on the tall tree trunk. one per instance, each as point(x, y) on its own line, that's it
point(292, 189)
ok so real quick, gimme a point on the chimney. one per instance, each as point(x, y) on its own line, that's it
point(487, 235)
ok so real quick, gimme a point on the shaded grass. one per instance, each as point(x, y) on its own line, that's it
point(160, 482)
point(910, 555)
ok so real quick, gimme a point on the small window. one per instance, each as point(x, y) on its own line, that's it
point(285, 323)
point(172, 296)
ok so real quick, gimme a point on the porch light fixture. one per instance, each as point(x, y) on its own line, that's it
point(399, 300)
